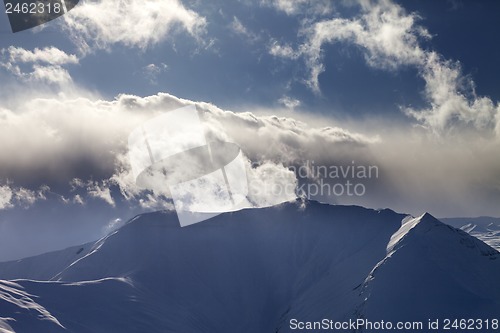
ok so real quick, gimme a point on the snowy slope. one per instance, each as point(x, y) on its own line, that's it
point(432, 271)
point(19, 309)
point(485, 228)
point(45, 266)
point(254, 270)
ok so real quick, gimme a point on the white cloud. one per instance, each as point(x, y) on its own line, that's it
point(57, 139)
point(113, 225)
point(94, 189)
point(284, 51)
point(454, 105)
point(77, 199)
point(152, 71)
point(271, 183)
point(25, 197)
point(101, 191)
point(40, 65)
point(5, 197)
point(137, 23)
point(407, 181)
point(50, 74)
point(151, 201)
point(294, 7)
point(497, 120)
point(11, 196)
point(237, 27)
point(289, 102)
point(390, 39)
point(271, 139)
point(50, 55)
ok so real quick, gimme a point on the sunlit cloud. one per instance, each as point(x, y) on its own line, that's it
point(12, 196)
point(238, 28)
point(96, 24)
point(296, 7)
point(39, 65)
point(391, 39)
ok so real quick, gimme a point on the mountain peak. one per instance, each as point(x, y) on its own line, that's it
point(428, 218)
point(300, 259)
point(409, 225)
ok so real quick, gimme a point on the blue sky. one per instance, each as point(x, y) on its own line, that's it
point(230, 72)
point(411, 87)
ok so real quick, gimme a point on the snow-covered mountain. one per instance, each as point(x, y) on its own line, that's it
point(442, 272)
point(485, 228)
point(253, 271)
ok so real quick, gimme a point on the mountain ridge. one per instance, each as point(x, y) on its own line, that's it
point(254, 270)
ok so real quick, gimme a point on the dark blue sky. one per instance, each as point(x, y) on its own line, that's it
point(236, 72)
